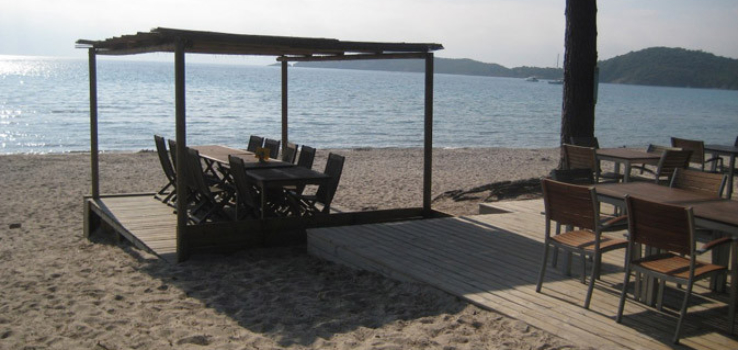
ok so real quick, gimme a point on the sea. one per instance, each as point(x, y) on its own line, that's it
point(44, 108)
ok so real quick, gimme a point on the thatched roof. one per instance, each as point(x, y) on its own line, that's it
point(291, 48)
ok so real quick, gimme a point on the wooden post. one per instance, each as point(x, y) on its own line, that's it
point(285, 107)
point(94, 161)
point(428, 140)
point(181, 136)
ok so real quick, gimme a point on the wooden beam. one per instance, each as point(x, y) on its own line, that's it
point(353, 57)
point(94, 161)
point(285, 106)
point(181, 136)
point(428, 136)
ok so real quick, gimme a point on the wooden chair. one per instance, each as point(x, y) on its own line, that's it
point(585, 141)
point(254, 143)
point(669, 228)
point(579, 157)
point(575, 206)
point(289, 154)
point(208, 202)
point(656, 149)
point(307, 157)
point(325, 193)
point(248, 204)
point(693, 180)
point(167, 193)
point(670, 160)
point(698, 151)
point(273, 146)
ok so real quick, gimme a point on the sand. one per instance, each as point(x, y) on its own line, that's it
point(59, 290)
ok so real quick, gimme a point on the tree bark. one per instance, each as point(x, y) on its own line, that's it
point(580, 62)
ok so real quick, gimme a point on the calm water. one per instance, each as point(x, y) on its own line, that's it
point(44, 107)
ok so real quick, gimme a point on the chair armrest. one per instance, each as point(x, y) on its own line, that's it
point(616, 221)
point(715, 243)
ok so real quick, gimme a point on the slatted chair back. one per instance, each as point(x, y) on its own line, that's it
point(273, 146)
point(245, 190)
point(196, 179)
point(166, 164)
point(697, 147)
point(659, 225)
point(569, 204)
point(307, 156)
point(334, 169)
point(173, 152)
point(581, 176)
point(254, 143)
point(289, 154)
point(693, 180)
point(585, 141)
point(671, 160)
point(578, 157)
point(659, 149)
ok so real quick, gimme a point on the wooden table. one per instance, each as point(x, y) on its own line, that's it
point(709, 212)
point(627, 157)
point(614, 193)
point(722, 150)
point(219, 154)
point(281, 177)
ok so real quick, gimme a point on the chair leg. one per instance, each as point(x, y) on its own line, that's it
point(682, 313)
point(543, 267)
point(621, 305)
point(733, 285)
point(592, 278)
point(660, 295)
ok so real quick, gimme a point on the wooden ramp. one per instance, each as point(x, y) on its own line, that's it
point(144, 221)
point(493, 261)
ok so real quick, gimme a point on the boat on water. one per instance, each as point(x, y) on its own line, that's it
point(556, 82)
point(531, 79)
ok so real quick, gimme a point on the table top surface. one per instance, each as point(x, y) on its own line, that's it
point(704, 206)
point(652, 191)
point(627, 154)
point(220, 154)
point(722, 148)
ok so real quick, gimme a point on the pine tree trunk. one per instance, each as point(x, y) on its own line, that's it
point(580, 61)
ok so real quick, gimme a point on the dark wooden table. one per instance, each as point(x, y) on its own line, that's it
point(280, 177)
point(722, 150)
point(627, 157)
point(219, 154)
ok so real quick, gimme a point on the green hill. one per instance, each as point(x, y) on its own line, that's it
point(658, 66)
point(664, 66)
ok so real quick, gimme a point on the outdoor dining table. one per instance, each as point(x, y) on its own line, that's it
point(280, 177)
point(709, 211)
point(627, 157)
point(724, 150)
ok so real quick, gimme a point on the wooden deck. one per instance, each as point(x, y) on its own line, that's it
point(493, 261)
point(144, 221)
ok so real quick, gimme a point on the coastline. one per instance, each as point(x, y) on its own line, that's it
point(60, 290)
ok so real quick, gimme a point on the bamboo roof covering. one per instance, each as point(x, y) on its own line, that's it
point(288, 48)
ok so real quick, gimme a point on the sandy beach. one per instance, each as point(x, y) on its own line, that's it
point(59, 290)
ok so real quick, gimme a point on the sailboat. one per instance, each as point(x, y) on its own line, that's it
point(557, 81)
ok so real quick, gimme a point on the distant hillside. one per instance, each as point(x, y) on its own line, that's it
point(671, 67)
point(461, 66)
point(658, 66)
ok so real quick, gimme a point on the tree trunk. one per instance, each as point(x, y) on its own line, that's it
point(580, 62)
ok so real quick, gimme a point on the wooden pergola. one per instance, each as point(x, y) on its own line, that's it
point(181, 42)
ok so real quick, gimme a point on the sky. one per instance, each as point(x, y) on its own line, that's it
point(512, 33)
